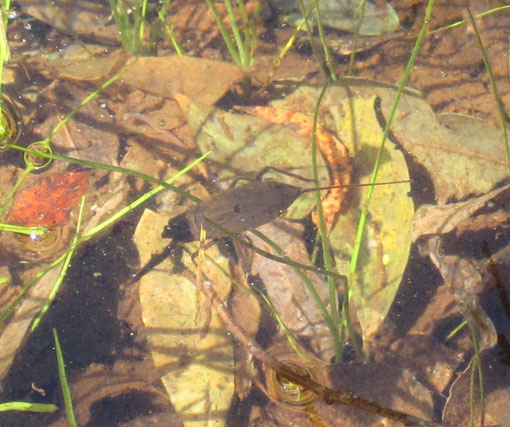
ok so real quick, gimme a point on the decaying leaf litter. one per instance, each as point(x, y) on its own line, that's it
point(161, 120)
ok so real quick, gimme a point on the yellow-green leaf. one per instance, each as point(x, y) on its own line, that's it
point(189, 343)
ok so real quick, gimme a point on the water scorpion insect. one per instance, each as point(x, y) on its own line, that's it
point(237, 209)
point(240, 209)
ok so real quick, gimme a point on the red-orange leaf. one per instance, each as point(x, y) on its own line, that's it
point(48, 202)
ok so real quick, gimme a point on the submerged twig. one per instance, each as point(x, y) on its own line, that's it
point(302, 379)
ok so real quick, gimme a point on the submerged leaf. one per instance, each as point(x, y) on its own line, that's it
point(189, 343)
point(48, 201)
point(462, 155)
point(203, 80)
point(242, 144)
point(385, 249)
point(333, 151)
point(463, 279)
point(387, 241)
point(432, 219)
point(344, 15)
point(88, 19)
point(287, 291)
point(80, 66)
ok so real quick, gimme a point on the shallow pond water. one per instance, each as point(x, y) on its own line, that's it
point(247, 331)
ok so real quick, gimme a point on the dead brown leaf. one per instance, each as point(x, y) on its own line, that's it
point(202, 80)
point(433, 219)
point(286, 290)
point(464, 280)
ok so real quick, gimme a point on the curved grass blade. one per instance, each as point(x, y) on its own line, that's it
point(62, 275)
point(328, 262)
point(463, 21)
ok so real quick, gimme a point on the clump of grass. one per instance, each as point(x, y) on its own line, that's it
point(131, 23)
point(245, 38)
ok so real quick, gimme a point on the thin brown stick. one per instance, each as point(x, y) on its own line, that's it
point(302, 379)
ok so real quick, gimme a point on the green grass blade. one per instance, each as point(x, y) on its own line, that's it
point(497, 98)
point(10, 308)
point(325, 47)
point(352, 59)
point(250, 32)
point(173, 40)
point(37, 231)
point(476, 368)
point(169, 29)
point(20, 180)
point(4, 51)
point(121, 20)
point(253, 31)
point(27, 406)
point(235, 31)
point(140, 24)
point(84, 102)
point(306, 15)
point(463, 21)
point(455, 330)
point(64, 385)
point(289, 44)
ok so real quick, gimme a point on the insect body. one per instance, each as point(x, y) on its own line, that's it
point(238, 209)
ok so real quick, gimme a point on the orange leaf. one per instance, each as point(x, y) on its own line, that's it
point(48, 201)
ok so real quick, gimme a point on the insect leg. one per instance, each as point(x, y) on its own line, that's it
point(267, 169)
point(256, 177)
point(174, 249)
point(194, 254)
